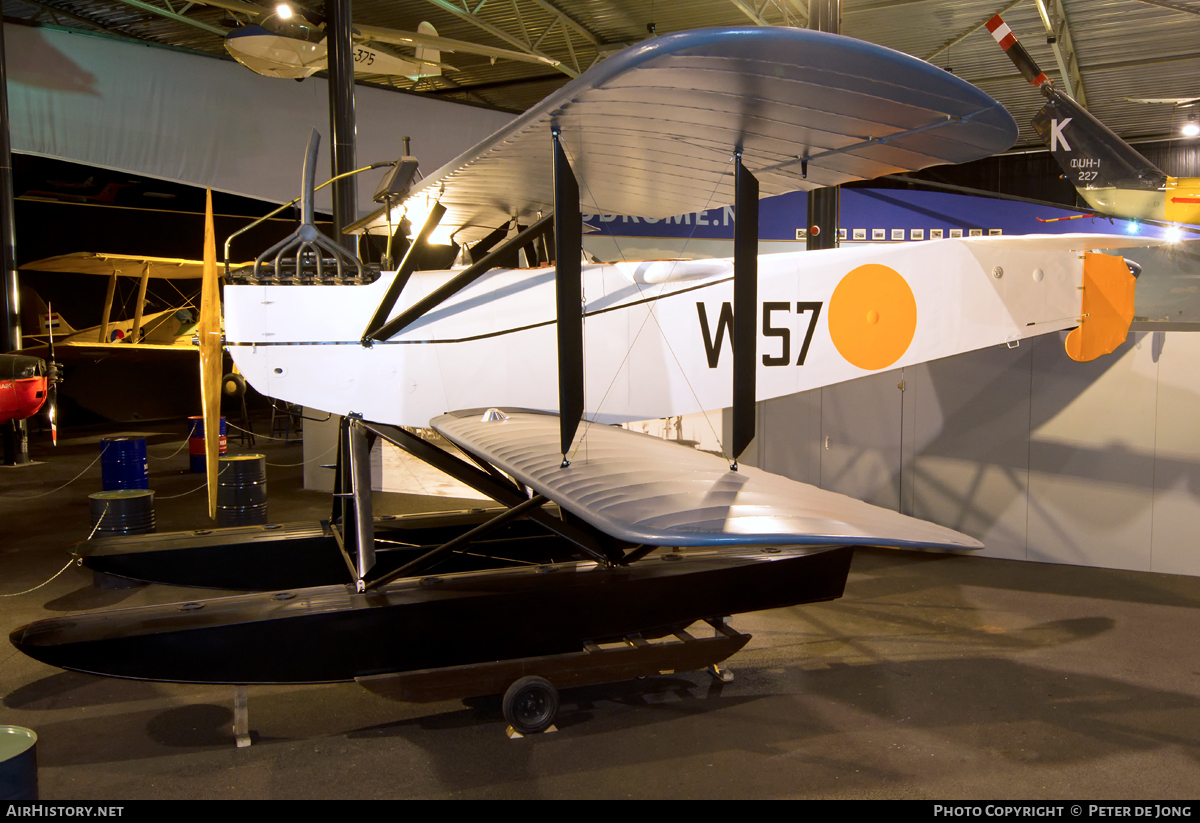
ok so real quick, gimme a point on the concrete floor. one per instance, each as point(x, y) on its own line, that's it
point(936, 676)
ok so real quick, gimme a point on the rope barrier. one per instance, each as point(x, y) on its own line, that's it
point(73, 560)
point(63, 486)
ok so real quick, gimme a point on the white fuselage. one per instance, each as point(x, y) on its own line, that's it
point(651, 330)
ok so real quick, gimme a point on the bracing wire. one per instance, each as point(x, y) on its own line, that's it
point(652, 300)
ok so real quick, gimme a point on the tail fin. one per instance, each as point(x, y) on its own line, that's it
point(430, 57)
point(37, 319)
point(51, 322)
point(1090, 153)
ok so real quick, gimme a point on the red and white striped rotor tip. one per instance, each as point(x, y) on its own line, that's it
point(1015, 51)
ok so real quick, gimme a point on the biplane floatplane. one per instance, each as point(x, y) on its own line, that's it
point(107, 366)
point(110, 363)
point(607, 535)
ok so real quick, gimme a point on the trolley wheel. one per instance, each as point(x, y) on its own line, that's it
point(233, 385)
point(530, 705)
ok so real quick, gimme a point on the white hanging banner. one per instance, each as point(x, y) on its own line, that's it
point(208, 122)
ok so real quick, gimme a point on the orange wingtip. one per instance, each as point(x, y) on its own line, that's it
point(1108, 291)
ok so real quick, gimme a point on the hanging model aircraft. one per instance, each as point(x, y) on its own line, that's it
point(290, 42)
point(649, 536)
point(1106, 171)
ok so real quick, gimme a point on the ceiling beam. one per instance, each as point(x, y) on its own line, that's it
point(470, 17)
point(801, 8)
point(72, 16)
point(569, 21)
point(954, 41)
point(749, 12)
point(788, 9)
point(178, 18)
point(881, 4)
point(1058, 35)
point(1139, 63)
point(1165, 4)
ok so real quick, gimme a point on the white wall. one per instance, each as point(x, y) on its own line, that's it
point(208, 122)
point(1040, 457)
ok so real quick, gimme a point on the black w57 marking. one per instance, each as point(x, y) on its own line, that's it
point(713, 345)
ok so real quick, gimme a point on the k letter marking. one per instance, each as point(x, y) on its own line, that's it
point(1057, 136)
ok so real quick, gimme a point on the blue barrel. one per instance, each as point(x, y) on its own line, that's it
point(196, 443)
point(18, 764)
point(123, 463)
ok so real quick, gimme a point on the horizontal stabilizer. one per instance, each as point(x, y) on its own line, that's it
point(1108, 287)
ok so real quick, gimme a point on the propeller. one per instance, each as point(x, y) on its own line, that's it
point(209, 333)
point(52, 375)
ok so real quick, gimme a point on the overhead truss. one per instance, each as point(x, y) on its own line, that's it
point(1058, 35)
point(538, 24)
point(789, 12)
point(178, 17)
point(961, 36)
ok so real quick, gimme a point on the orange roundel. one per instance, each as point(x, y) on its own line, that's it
point(872, 316)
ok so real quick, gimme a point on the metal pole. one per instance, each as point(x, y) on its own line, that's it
point(16, 442)
point(824, 204)
point(341, 118)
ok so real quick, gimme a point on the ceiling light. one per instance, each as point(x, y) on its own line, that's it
point(284, 11)
point(417, 210)
point(1190, 129)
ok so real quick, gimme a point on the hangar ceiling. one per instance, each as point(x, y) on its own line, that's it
point(1109, 49)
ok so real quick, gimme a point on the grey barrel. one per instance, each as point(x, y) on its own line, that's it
point(242, 490)
point(122, 511)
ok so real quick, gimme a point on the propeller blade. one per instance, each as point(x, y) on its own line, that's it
point(52, 411)
point(209, 329)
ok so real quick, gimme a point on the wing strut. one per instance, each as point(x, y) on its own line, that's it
point(590, 541)
point(568, 285)
point(356, 531)
point(745, 306)
point(459, 282)
point(407, 266)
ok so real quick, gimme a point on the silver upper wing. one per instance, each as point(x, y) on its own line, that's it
point(652, 130)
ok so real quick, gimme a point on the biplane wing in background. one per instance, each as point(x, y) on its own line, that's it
point(172, 327)
point(108, 366)
point(685, 122)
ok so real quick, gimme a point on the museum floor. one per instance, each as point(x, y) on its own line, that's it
point(935, 677)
